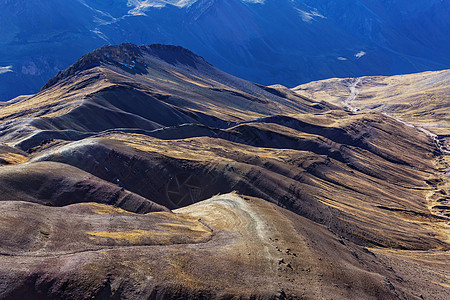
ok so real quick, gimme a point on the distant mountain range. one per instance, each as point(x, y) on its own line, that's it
point(272, 41)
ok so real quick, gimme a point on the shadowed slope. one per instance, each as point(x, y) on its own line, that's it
point(330, 174)
point(57, 184)
point(11, 156)
point(420, 101)
point(253, 249)
point(154, 128)
point(144, 87)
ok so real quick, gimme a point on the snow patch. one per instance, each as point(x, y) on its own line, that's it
point(255, 1)
point(360, 54)
point(102, 18)
point(131, 67)
point(30, 68)
point(5, 69)
point(138, 7)
point(101, 35)
point(310, 16)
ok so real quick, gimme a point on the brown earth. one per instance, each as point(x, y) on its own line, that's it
point(226, 246)
point(421, 99)
point(105, 172)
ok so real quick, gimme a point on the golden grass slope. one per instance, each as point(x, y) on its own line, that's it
point(248, 248)
point(357, 174)
point(339, 204)
point(422, 99)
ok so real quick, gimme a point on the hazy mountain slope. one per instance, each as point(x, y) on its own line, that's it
point(325, 38)
point(346, 205)
point(39, 38)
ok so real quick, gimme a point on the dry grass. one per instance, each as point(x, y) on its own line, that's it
point(13, 158)
point(164, 233)
point(132, 236)
point(422, 99)
point(103, 209)
point(56, 101)
point(424, 273)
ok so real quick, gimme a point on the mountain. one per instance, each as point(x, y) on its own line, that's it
point(131, 83)
point(421, 99)
point(325, 38)
point(145, 172)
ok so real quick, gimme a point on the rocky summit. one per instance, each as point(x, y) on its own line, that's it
point(144, 172)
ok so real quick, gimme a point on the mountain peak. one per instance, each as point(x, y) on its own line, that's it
point(128, 55)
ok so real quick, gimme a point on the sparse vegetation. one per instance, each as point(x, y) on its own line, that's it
point(114, 151)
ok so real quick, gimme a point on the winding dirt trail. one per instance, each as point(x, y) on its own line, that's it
point(439, 182)
point(352, 96)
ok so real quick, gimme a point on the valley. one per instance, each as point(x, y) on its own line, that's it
point(145, 172)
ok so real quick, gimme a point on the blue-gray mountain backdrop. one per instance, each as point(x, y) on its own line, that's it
point(266, 41)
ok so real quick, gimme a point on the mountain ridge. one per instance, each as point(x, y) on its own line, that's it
point(204, 185)
point(238, 37)
point(124, 54)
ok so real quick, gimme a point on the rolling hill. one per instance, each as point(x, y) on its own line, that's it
point(145, 172)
